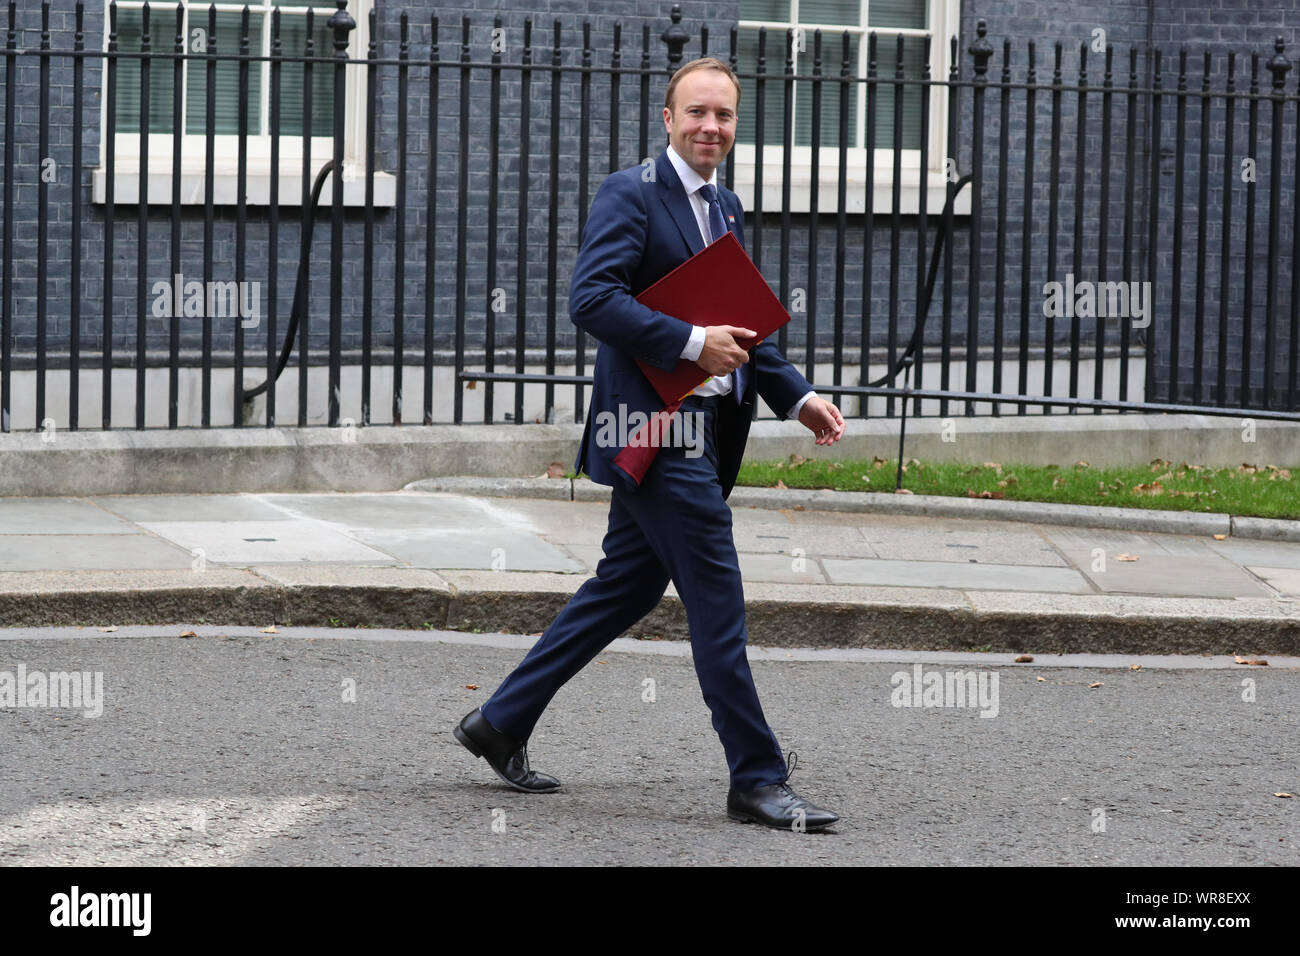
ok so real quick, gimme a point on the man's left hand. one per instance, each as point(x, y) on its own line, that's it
point(822, 419)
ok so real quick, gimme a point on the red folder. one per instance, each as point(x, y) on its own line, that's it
point(720, 285)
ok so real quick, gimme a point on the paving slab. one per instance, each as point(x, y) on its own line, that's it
point(58, 516)
point(789, 537)
point(396, 510)
point(1284, 580)
point(262, 542)
point(487, 549)
point(1244, 551)
point(51, 552)
point(944, 574)
point(1010, 546)
point(190, 507)
point(780, 568)
point(1168, 565)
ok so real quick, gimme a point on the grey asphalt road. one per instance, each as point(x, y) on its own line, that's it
point(239, 747)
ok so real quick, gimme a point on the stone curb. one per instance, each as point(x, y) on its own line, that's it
point(777, 615)
point(935, 506)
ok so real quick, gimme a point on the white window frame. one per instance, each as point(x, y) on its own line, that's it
point(126, 146)
point(944, 23)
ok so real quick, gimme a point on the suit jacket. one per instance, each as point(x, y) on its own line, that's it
point(640, 228)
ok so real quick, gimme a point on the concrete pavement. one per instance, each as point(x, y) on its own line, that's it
point(815, 575)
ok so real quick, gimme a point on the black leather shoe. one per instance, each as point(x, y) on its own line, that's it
point(777, 805)
point(507, 756)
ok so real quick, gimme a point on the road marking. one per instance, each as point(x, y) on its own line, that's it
point(203, 832)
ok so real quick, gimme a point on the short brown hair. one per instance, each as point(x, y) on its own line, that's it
point(703, 63)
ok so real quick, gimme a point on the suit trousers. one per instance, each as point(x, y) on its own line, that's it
point(676, 526)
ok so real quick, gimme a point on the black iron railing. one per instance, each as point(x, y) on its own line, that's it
point(1087, 228)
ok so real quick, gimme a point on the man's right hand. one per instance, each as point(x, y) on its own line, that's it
point(721, 353)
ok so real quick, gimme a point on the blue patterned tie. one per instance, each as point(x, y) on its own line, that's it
point(718, 229)
point(717, 225)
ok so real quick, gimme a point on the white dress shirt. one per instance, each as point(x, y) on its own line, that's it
point(691, 181)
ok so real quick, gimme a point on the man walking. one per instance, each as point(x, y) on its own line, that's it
point(674, 524)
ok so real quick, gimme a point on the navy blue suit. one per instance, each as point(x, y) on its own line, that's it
point(676, 524)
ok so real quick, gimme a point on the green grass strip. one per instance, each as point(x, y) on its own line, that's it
point(1265, 491)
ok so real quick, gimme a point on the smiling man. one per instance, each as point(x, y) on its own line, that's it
point(674, 524)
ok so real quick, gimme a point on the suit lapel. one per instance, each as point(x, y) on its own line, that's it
point(673, 195)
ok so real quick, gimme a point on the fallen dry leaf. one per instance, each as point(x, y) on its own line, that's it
point(971, 493)
point(471, 686)
point(1126, 557)
point(555, 470)
point(1080, 464)
point(1025, 659)
point(111, 627)
point(1219, 537)
point(903, 491)
point(780, 484)
point(1283, 793)
point(270, 630)
point(189, 634)
point(1252, 661)
point(1043, 679)
point(1097, 684)
point(1135, 667)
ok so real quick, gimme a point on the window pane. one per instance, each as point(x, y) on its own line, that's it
point(846, 12)
point(162, 37)
point(778, 10)
point(886, 64)
point(227, 41)
point(832, 55)
point(773, 87)
point(907, 14)
point(293, 42)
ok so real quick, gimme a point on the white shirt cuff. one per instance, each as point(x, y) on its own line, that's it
point(694, 345)
point(798, 406)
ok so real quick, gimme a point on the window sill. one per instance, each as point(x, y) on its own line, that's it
point(882, 200)
point(225, 181)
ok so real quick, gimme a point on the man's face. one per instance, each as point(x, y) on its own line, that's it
point(702, 123)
